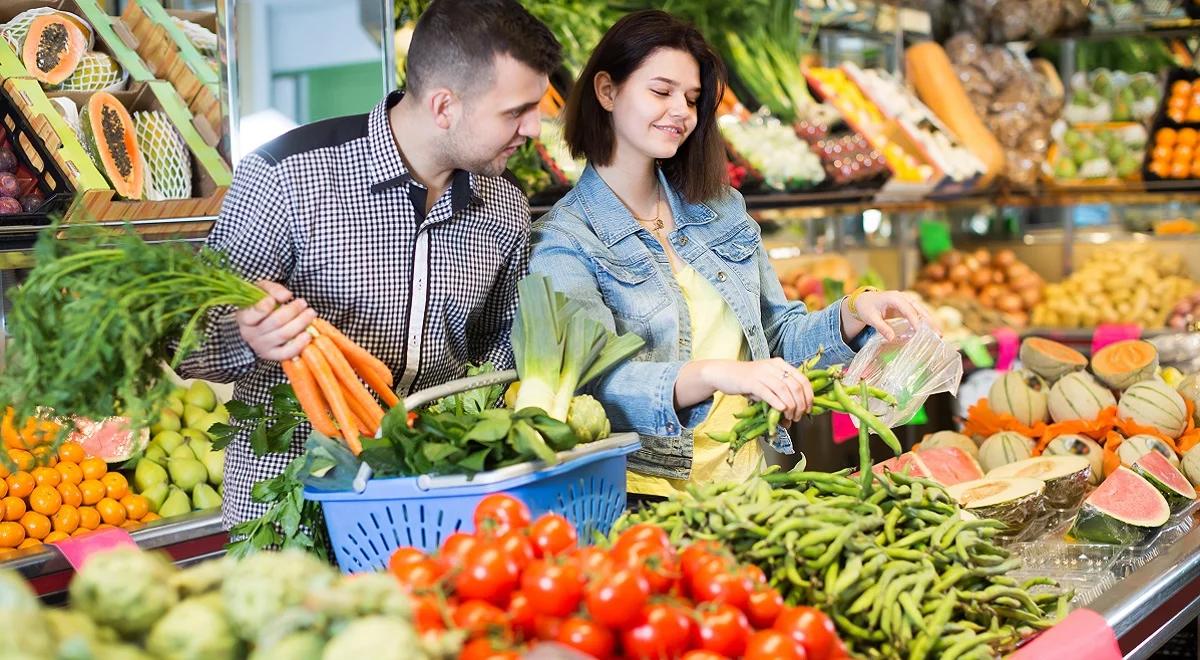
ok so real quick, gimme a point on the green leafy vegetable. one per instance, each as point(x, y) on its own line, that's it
point(269, 433)
point(290, 521)
point(472, 401)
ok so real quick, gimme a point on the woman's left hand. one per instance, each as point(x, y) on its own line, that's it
point(873, 308)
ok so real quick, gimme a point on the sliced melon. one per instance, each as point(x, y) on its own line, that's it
point(1167, 479)
point(949, 465)
point(1078, 445)
point(1066, 477)
point(14, 30)
point(1123, 510)
point(1014, 501)
point(112, 141)
point(949, 439)
point(1079, 396)
point(1021, 394)
point(1004, 448)
point(1121, 364)
point(1050, 359)
point(1191, 465)
point(1137, 446)
point(1154, 403)
point(52, 48)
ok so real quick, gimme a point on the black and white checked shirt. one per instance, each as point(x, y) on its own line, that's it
point(328, 211)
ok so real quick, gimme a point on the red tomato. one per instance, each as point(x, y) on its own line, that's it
point(764, 606)
point(657, 562)
point(773, 645)
point(703, 655)
point(518, 546)
point(723, 629)
point(418, 575)
point(455, 548)
point(405, 555)
point(698, 555)
point(477, 617)
point(754, 574)
point(663, 631)
point(487, 649)
point(717, 584)
point(592, 561)
point(427, 614)
point(521, 615)
point(587, 636)
point(498, 514)
point(553, 589)
point(642, 532)
point(488, 573)
point(811, 628)
point(552, 534)
point(616, 600)
point(547, 627)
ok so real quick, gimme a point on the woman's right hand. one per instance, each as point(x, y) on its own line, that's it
point(775, 381)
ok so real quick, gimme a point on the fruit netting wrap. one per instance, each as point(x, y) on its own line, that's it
point(97, 71)
point(912, 367)
point(168, 161)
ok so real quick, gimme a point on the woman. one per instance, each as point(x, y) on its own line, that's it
point(652, 241)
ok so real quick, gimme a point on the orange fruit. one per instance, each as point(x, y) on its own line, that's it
point(111, 511)
point(70, 472)
point(66, 520)
point(12, 508)
point(44, 457)
point(151, 517)
point(29, 543)
point(36, 525)
point(93, 468)
point(22, 458)
point(1192, 114)
point(1183, 152)
point(81, 531)
point(1160, 168)
point(105, 526)
point(21, 484)
point(1187, 136)
point(89, 518)
point(1176, 114)
point(56, 536)
point(47, 476)
point(131, 525)
point(92, 490)
point(45, 500)
point(70, 494)
point(1181, 87)
point(3, 488)
point(4, 471)
point(1161, 152)
point(1165, 137)
point(115, 485)
point(11, 534)
point(72, 452)
point(1196, 169)
point(1180, 170)
point(136, 506)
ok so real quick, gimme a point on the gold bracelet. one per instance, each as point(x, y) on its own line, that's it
point(853, 297)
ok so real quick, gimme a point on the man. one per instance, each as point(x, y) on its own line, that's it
point(394, 226)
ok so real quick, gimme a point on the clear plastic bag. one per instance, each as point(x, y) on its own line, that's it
point(912, 367)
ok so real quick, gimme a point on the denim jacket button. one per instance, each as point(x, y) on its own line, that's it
point(683, 240)
point(721, 276)
point(670, 428)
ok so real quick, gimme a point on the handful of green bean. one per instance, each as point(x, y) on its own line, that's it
point(903, 571)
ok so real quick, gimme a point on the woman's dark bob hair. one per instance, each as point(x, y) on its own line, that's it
point(697, 170)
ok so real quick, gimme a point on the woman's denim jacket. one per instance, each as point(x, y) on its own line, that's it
point(596, 253)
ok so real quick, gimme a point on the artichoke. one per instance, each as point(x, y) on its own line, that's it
point(296, 646)
point(587, 419)
point(27, 632)
point(364, 595)
point(376, 637)
point(195, 629)
point(126, 589)
point(262, 586)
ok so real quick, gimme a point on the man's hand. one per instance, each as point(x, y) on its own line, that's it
point(275, 327)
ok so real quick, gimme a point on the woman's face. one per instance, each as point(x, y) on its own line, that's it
point(654, 110)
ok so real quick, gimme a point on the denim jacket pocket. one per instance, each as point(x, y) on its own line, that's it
point(631, 289)
point(737, 253)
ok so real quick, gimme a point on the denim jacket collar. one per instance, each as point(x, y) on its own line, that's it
point(613, 222)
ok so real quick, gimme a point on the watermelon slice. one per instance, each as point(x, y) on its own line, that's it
point(1123, 510)
point(950, 465)
point(1167, 479)
point(109, 439)
point(906, 463)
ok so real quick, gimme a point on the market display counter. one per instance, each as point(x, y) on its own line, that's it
point(187, 539)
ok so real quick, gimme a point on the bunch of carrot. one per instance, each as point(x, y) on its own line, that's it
point(328, 377)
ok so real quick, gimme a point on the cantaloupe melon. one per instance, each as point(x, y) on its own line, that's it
point(1078, 445)
point(1134, 447)
point(1022, 394)
point(52, 48)
point(1014, 501)
point(1078, 396)
point(949, 439)
point(1050, 359)
point(1121, 364)
point(1066, 477)
point(112, 141)
point(1004, 448)
point(1189, 388)
point(1154, 403)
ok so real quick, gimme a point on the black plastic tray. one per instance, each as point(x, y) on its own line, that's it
point(51, 180)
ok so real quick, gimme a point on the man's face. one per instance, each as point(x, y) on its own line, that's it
point(499, 119)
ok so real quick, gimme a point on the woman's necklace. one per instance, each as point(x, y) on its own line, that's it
point(656, 221)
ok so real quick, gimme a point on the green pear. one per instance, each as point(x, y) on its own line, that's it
point(206, 422)
point(204, 497)
point(192, 435)
point(186, 472)
point(156, 494)
point(175, 405)
point(214, 462)
point(168, 440)
point(155, 453)
point(221, 413)
point(147, 474)
point(221, 488)
point(200, 448)
point(199, 394)
point(176, 504)
point(168, 420)
point(182, 451)
point(192, 416)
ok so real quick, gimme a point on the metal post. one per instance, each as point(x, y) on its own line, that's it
point(230, 94)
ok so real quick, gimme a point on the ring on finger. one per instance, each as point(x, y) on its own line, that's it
point(786, 374)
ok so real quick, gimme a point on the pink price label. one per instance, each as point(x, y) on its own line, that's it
point(843, 428)
point(78, 549)
point(1008, 342)
point(1083, 634)
point(1111, 333)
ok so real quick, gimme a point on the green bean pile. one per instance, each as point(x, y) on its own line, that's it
point(902, 570)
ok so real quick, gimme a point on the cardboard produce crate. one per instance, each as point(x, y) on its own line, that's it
point(171, 56)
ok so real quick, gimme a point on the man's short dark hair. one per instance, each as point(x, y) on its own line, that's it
point(455, 42)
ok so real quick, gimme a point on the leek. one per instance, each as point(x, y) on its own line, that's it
point(558, 349)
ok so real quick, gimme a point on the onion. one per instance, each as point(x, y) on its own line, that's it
point(1004, 258)
point(981, 278)
point(1009, 302)
point(959, 273)
point(983, 256)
